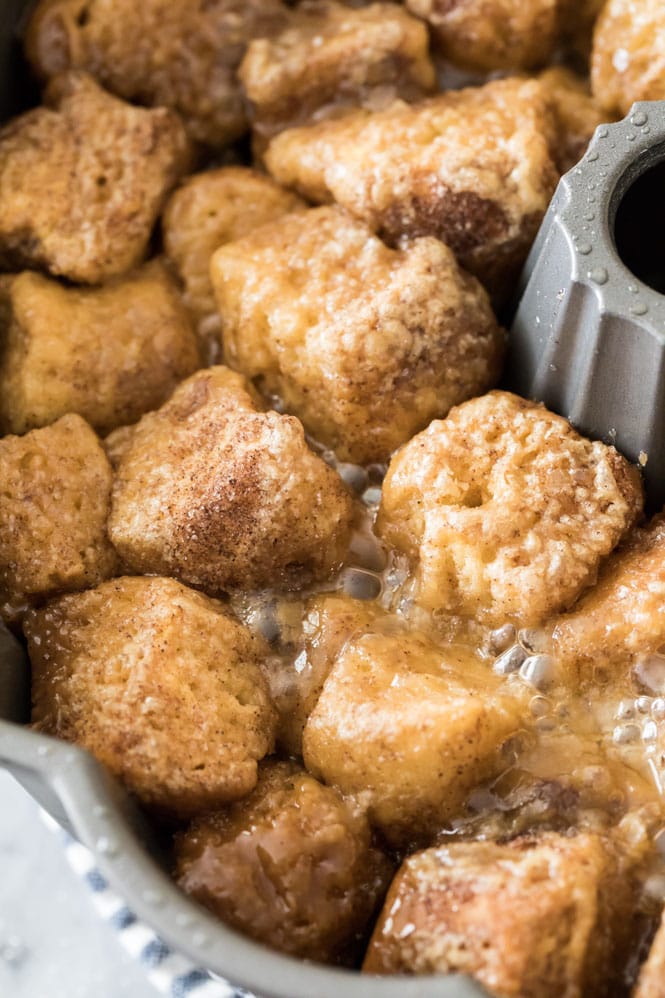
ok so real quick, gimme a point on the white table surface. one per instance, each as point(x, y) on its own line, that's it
point(52, 942)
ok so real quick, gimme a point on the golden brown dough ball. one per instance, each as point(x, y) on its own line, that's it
point(328, 57)
point(210, 209)
point(54, 503)
point(504, 511)
point(169, 53)
point(578, 114)
point(628, 54)
point(109, 354)
point(315, 631)
point(83, 180)
point(221, 495)
point(364, 343)
point(411, 728)
point(471, 167)
point(494, 34)
point(652, 975)
point(622, 619)
point(292, 866)
point(538, 916)
point(160, 684)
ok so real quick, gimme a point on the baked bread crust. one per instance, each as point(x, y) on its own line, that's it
point(221, 495)
point(505, 511)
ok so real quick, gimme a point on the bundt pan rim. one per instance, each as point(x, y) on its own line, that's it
point(588, 334)
point(597, 263)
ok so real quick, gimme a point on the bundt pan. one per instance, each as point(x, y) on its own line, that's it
point(84, 799)
point(588, 337)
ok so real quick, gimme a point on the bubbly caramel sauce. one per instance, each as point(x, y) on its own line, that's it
point(589, 757)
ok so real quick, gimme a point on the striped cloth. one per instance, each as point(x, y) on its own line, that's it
point(169, 972)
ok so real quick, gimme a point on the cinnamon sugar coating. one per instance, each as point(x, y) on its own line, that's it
point(210, 209)
point(222, 495)
point(164, 53)
point(494, 34)
point(536, 916)
point(504, 511)
point(109, 354)
point(292, 865)
point(160, 684)
point(54, 503)
point(82, 181)
point(628, 54)
point(410, 728)
point(623, 616)
point(328, 57)
point(471, 167)
point(365, 344)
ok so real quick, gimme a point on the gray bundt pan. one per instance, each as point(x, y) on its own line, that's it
point(84, 799)
point(588, 337)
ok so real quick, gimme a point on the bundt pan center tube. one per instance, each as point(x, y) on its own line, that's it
point(79, 793)
point(588, 337)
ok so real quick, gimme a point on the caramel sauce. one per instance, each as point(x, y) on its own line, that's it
point(591, 756)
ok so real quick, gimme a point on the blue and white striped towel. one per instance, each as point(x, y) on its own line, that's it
point(169, 972)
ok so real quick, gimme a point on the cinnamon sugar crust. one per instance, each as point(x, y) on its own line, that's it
point(628, 54)
point(292, 865)
point(160, 684)
point(470, 167)
point(54, 504)
point(409, 727)
point(329, 57)
point(534, 916)
point(365, 344)
point(488, 35)
point(83, 180)
point(623, 616)
point(163, 53)
point(109, 353)
point(222, 495)
point(504, 511)
point(577, 113)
